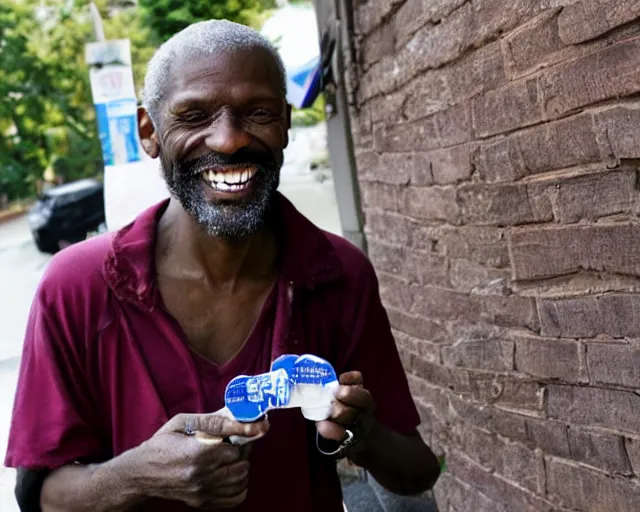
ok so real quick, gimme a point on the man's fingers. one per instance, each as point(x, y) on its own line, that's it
point(331, 430)
point(351, 379)
point(344, 414)
point(355, 396)
point(215, 425)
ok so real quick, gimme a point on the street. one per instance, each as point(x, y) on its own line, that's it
point(22, 266)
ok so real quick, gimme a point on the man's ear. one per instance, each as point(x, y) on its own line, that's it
point(148, 134)
point(287, 126)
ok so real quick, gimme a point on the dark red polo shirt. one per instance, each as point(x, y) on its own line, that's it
point(104, 365)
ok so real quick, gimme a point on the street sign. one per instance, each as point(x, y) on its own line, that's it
point(114, 97)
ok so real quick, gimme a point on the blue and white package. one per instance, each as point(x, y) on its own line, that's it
point(307, 381)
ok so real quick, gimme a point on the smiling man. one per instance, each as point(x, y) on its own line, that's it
point(133, 336)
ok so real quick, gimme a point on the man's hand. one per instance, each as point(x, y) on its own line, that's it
point(353, 405)
point(199, 470)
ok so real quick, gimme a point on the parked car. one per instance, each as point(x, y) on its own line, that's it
point(65, 214)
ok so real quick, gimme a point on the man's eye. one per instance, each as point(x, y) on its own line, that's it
point(262, 115)
point(193, 117)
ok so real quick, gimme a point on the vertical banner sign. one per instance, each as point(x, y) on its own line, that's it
point(114, 97)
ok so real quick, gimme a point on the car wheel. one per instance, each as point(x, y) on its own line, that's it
point(46, 245)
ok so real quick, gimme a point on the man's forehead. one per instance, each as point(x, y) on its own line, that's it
point(251, 67)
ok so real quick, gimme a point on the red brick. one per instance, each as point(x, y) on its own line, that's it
point(431, 203)
point(614, 364)
point(477, 72)
point(587, 317)
point(429, 351)
point(454, 125)
point(612, 72)
point(444, 167)
point(602, 451)
point(512, 426)
point(547, 358)
point(549, 436)
point(395, 291)
point(552, 251)
point(417, 326)
point(395, 168)
point(620, 128)
point(426, 268)
point(430, 372)
point(445, 304)
point(435, 45)
point(457, 496)
point(565, 143)
point(589, 19)
point(388, 107)
point(479, 350)
point(632, 447)
point(425, 95)
point(501, 390)
point(500, 161)
point(594, 407)
point(393, 228)
point(530, 47)
point(485, 246)
point(379, 195)
point(370, 14)
point(590, 491)
point(387, 258)
point(468, 277)
point(502, 205)
point(494, 486)
point(595, 195)
point(417, 136)
point(503, 110)
point(379, 43)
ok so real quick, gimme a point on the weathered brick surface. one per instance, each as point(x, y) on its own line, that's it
point(545, 252)
point(590, 491)
point(609, 73)
point(597, 407)
point(614, 364)
point(614, 315)
point(588, 19)
point(548, 358)
point(602, 451)
point(498, 155)
point(532, 45)
point(515, 106)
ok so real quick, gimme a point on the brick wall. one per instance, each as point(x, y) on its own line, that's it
point(498, 153)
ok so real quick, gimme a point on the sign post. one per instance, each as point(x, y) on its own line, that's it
point(132, 180)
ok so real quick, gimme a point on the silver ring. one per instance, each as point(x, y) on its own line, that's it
point(188, 428)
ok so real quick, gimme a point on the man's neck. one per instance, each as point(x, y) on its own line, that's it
point(185, 251)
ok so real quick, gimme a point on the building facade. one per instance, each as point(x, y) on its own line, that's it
point(497, 147)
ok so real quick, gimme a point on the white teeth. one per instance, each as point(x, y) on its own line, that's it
point(244, 176)
point(211, 175)
point(223, 186)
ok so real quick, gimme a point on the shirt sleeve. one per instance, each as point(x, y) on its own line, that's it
point(373, 352)
point(54, 421)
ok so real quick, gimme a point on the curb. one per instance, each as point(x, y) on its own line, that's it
point(7, 216)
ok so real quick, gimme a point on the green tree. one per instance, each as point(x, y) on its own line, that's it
point(47, 116)
point(166, 17)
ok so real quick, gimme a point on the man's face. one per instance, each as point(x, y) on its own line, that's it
point(222, 133)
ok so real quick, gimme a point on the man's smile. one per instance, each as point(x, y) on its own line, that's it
point(232, 183)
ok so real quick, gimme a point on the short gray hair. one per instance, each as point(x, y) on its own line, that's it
point(203, 38)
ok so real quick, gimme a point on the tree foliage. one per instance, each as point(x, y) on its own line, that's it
point(47, 117)
point(166, 17)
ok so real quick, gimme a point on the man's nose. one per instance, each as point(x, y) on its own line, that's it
point(227, 135)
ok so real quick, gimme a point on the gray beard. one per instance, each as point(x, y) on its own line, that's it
point(230, 220)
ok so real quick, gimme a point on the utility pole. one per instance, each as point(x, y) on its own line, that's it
point(96, 19)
